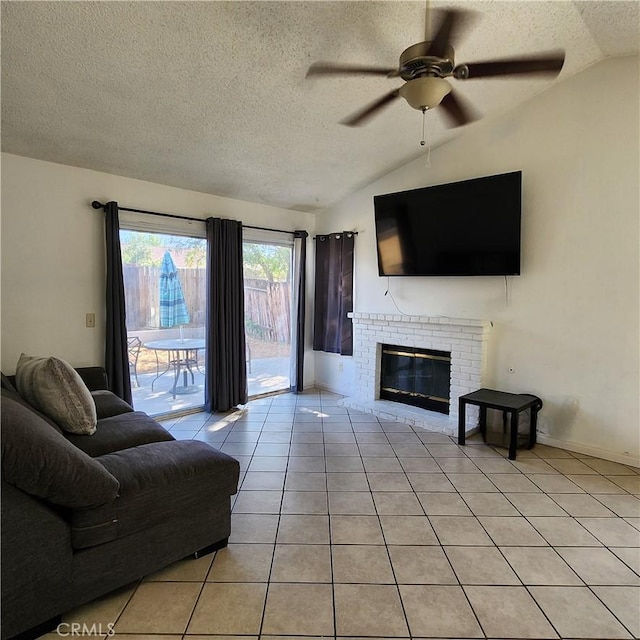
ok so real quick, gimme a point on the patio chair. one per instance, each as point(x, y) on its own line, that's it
point(133, 347)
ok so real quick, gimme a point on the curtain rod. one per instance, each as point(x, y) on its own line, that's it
point(334, 233)
point(98, 205)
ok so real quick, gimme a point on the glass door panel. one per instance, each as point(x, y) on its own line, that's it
point(267, 303)
point(165, 294)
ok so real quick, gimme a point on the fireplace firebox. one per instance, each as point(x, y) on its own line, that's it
point(418, 377)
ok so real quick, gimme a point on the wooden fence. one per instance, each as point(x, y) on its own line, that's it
point(267, 310)
point(267, 304)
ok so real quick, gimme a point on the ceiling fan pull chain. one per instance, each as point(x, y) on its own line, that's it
point(423, 142)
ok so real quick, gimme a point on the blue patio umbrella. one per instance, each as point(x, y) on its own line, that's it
point(173, 308)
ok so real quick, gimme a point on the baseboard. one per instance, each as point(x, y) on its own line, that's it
point(324, 387)
point(596, 452)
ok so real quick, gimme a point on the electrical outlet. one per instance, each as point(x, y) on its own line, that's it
point(91, 320)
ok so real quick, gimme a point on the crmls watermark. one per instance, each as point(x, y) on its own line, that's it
point(81, 629)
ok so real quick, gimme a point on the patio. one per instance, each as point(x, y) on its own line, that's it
point(266, 376)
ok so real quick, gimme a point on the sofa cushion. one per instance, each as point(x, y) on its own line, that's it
point(108, 404)
point(120, 432)
point(7, 383)
point(53, 386)
point(158, 482)
point(42, 463)
point(94, 377)
point(20, 400)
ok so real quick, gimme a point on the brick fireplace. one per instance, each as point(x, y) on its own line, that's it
point(464, 339)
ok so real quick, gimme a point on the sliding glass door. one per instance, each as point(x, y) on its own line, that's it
point(268, 314)
point(165, 293)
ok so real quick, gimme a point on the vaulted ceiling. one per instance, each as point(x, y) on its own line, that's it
point(212, 96)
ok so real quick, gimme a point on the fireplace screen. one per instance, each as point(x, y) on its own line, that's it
point(419, 377)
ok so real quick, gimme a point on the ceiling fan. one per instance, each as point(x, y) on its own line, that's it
point(424, 67)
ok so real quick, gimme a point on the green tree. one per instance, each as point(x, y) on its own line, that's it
point(195, 250)
point(266, 261)
point(136, 248)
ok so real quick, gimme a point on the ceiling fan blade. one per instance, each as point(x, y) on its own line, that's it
point(450, 21)
point(456, 111)
point(330, 69)
point(549, 63)
point(360, 117)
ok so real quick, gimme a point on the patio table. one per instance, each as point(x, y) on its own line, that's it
point(183, 354)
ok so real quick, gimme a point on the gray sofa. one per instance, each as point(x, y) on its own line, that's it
point(83, 515)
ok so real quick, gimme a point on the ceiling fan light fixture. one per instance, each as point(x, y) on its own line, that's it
point(426, 92)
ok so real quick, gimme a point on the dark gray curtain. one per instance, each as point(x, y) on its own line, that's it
point(116, 360)
point(226, 364)
point(301, 275)
point(332, 329)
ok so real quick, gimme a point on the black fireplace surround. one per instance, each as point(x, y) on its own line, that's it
point(418, 377)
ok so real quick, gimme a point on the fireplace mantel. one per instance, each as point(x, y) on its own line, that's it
point(465, 338)
point(386, 318)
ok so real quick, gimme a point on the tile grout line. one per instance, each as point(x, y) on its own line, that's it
point(446, 555)
point(604, 604)
point(275, 541)
point(329, 522)
point(386, 546)
point(126, 604)
point(195, 604)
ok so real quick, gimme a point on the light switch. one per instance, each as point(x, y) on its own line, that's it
point(91, 320)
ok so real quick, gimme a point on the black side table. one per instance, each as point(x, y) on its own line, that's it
point(512, 403)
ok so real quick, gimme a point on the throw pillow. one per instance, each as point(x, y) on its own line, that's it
point(54, 387)
point(41, 462)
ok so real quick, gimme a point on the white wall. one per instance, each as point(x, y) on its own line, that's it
point(53, 269)
point(569, 327)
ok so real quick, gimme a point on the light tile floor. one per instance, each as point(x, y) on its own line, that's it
point(346, 526)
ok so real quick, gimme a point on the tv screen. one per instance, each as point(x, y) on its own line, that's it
point(468, 228)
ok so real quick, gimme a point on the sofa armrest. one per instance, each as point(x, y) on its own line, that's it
point(108, 404)
point(94, 377)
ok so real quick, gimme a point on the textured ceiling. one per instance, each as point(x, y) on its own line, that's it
point(212, 96)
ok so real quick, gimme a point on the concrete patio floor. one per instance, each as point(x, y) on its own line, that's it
point(267, 375)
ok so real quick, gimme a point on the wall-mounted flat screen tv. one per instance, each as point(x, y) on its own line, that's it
point(468, 228)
